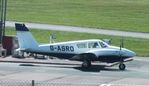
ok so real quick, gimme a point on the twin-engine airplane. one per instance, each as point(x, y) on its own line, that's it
point(86, 51)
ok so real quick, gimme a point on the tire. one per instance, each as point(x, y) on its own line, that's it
point(122, 66)
point(86, 64)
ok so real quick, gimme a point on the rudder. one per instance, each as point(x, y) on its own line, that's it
point(25, 38)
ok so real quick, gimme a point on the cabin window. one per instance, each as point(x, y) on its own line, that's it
point(93, 45)
point(103, 45)
point(82, 45)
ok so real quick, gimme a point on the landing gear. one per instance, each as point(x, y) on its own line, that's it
point(86, 64)
point(122, 66)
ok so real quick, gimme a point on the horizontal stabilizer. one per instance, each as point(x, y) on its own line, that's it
point(21, 27)
point(21, 49)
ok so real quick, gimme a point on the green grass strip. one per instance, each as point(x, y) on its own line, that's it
point(140, 46)
point(128, 15)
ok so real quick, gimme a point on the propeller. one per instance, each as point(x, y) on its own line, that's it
point(122, 66)
point(121, 46)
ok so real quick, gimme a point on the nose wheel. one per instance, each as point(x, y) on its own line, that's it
point(122, 66)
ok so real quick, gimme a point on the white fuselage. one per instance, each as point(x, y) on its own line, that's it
point(84, 46)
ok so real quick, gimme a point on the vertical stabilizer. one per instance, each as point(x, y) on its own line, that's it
point(25, 38)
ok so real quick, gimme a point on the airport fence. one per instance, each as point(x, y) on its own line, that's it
point(37, 83)
point(40, 83)
point(50, 83)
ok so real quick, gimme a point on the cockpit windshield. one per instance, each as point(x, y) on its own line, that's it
point(93, 45)
point(97, 44)
point(103, 45)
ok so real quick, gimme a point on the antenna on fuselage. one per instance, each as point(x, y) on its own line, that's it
point(122, 42)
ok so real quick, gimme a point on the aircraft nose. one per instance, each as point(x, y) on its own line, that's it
point(131, 53)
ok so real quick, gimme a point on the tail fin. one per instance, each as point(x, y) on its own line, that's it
point(25, 38)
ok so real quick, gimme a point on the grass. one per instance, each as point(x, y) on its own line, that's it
point(128, 15)
point(140, 46)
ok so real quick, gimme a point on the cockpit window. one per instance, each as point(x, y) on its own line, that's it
point(103, 45)
point(93, 45)
point(82, 45)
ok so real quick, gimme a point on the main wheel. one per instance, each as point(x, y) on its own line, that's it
point(86, 64)
point(122, 66)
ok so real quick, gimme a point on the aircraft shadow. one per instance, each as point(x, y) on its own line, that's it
point(96, 68)
point(93, 68)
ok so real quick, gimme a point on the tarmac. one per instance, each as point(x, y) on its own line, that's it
point(56, 72)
